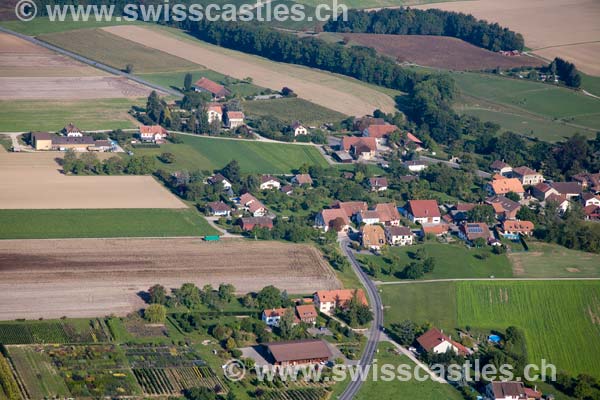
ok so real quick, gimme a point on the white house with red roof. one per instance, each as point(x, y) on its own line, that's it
point(153, 133)
point(268, 182)
point(379, 131)
point(424, 211)
point(326, 301)
point(325, 219)
point(434, 341)
point(234, 119)
point(253, 205)
point(214, 112)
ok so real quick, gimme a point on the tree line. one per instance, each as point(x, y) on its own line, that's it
point(409, 21)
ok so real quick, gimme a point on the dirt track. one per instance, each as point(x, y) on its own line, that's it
point(339, 94)
point(96, 277)
point(564, 25)
point(34, 181)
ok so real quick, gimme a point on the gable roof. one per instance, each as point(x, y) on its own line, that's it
point(216, 107)
point(424, 208)
point(517, 226)
point(235, 115)
point(503, 390)
point(498, 165)
point(557, 198)
point(217, 206)
point(152, 130)
point(212, 87)
point(388, 212)
point(435, 229)
point(413, 138)
point(476, 230)
point(340, 296)
point(378, 182)
point(379, 131)
point(303, 179)
point(543, 187)
point(299, 350)
point(351, 207)
point(275, 312)
point(58, 140)
point(331, 214)
point(250, 222)
point(373, 235)
point(524, 170)
point(71, 128)
point(567, 187)
point(41, 135)
point(503, 186)
point(267, 178)
point(306, 311)
point(351, 141)
point(502, 204)
point(433, 337)
point(398, 231)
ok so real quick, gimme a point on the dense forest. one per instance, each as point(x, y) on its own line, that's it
point(408, 21)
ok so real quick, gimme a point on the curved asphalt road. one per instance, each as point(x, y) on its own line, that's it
point(376, 327)
point(92, 63)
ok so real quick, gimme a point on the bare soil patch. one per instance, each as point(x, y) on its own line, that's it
point(67, 88)
point(339, 94)
point(574, 270)
point(96, 277)
point(21, 58)
point(560, 26)
point(35, 181)
point(439, 52)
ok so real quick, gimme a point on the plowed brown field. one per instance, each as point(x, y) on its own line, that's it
point(96, 277)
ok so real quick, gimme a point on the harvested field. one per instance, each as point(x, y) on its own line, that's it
point(62, 88)
point(34, 181)
point(97, 277)
point(439, 52)
point(21, 58)
point(554, 27)
point(341, 94)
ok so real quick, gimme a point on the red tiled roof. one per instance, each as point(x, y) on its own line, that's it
point(349, 141)
point(212, 87)
point(373, 235)
point(498, 165)
point(152, 130)
point(378, 182)
point(331, 214)
point(517, 226)
point(303, 179)
point(434, 337)
point(388, 212)
point(351, 207)
point(235, 115)
point(341, 296)
point(424, 208)
point(217, 206)
point(436, 229)
point(299, 350)
point(413, 138)
point(379, 131)
point(503, 186)
point(263, 222)
point(522, 171)
point(306, 311)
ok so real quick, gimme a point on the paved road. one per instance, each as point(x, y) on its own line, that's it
point(376, 327)
point(93, 63)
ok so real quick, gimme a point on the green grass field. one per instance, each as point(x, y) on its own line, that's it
point(44, 224)
point(202, 153)
point(591, 84)
point(559, 318)
point(451, 261)
point(43, 25)
point(292, 109)
point(118, 52)
point(396, 389)
point(175, 81)
point(47, 115)
point(529, 107)
point(546, 260)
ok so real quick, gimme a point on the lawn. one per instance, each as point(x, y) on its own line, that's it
point(292, 109)
point(545, 260)
point(117, 52)
point(43, 115)
point(395, 389)
point(451, 261)
point(590, 83)
point(175, 80)
point(525, 102)
point(558, 318)
point(44, 224)
point(203, 153)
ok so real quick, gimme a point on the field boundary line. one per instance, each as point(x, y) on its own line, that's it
point(566, 45)
point(409, 282)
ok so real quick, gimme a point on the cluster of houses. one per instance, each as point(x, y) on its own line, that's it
point(373, 139)
point(218, 111)
point(70, 138)
point(584, 187)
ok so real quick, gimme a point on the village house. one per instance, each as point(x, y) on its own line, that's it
point(592, 212)
point(503, 390)
point(253, 205)
point(307, 313)
point(378, 184)
point(571, 190)
point(542, 190)
point(502, 186)
point(388, 214)
point(298, 129)
point(372, 237)
point(268, 182)
point(328, 218)
point(415, 165)
point(76, 143)
point(220, 179)
point(399, 235)
point(219, 209)
point(471, 231)
point(434, 229)
point(588, 181)
point(326, 301)
point(501, 168)
point(380, 132)
point(589, 199)
point(527, 176)
point(560, 201)
point(423, 211)
point(504, 207)
point(273, 316)
point(368, 217)
point(41, 140)
point(363, 148)
point(302, 179)
point(298, 352)
point(514, 229)
point(234, 119)
point(434, 341)
point(153, 133)
point(351, 208)
point(72, 131)
point(214, 112)
point(248, 224)
point(217, 91)
point(287, 190)
point(102, 146)
point(411, 140)
point(360, 124)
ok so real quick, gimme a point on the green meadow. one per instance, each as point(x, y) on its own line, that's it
point(99, 223)
point(292, 109)
point(560, 319)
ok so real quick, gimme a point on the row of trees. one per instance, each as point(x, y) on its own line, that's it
point(88, 163)
point(566, 71)
point(409, 21)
